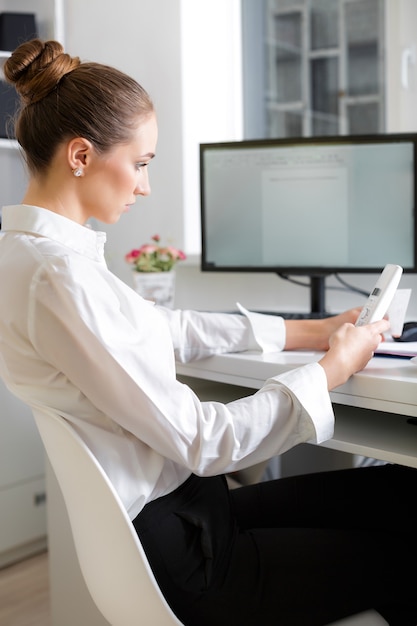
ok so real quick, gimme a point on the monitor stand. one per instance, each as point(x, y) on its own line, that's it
point(317, 293)
point(317, 299)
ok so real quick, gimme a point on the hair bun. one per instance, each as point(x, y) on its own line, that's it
point(36, 67)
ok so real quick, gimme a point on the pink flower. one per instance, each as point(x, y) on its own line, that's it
point(175, 253)
point(132, 255)
point(151, 257)
point(147, 248)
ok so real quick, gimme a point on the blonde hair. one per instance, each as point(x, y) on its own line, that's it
point(62, 97)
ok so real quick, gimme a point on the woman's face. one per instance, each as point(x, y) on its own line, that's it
point(112, 181)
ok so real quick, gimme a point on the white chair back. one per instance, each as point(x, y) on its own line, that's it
point(111, 557)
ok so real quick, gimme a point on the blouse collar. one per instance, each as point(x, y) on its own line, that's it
point(42, 222)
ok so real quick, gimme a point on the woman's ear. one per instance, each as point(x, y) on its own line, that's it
point(79, 151)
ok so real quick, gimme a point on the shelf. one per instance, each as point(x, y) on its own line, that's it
point(8, 144)
point(375, 434)
point(3, 57)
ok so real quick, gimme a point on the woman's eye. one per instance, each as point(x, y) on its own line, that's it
point(140, 166)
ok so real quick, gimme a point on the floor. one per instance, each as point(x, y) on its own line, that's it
point(24, 593)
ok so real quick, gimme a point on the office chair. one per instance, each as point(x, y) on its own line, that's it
point(112, 560)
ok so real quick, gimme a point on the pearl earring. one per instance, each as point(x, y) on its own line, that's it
point(77, 172)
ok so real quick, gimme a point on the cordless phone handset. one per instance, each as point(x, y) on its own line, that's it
point(381, 295)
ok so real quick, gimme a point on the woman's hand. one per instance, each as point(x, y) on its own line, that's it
point(329, 325)
point(315, 334)
point(350, 349)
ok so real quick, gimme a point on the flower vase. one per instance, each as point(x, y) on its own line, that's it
point(159, 287)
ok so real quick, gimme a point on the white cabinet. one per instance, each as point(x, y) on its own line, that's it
point(22, 458)
point(22, 481)
point(325, 67)
point(314, 67)
point(49, 23)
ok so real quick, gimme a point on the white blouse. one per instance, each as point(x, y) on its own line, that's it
point(79, 341)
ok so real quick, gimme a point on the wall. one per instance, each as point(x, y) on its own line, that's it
point(141, 38)
point(184, 53)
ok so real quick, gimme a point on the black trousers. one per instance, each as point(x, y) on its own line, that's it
point(298, 551)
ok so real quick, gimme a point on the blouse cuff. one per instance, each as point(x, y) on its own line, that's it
point(268, 331)
point(310, 389)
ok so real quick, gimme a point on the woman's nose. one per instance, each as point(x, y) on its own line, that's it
point(143, 187)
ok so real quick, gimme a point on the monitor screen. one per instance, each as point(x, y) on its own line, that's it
point(309, 206)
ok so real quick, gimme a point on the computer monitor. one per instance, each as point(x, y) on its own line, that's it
point(309, 206)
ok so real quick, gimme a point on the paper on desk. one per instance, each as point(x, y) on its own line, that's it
point(406, 349)
point(397, 311)
point(396, 316)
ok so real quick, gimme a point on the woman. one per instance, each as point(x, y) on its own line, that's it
point(77, 340)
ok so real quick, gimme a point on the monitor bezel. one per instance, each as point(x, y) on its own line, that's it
point(305, 270)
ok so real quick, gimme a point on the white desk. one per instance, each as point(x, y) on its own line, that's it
point(371, 409)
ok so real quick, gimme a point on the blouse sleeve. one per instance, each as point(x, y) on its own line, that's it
point(109, 358)
point(196, 335)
